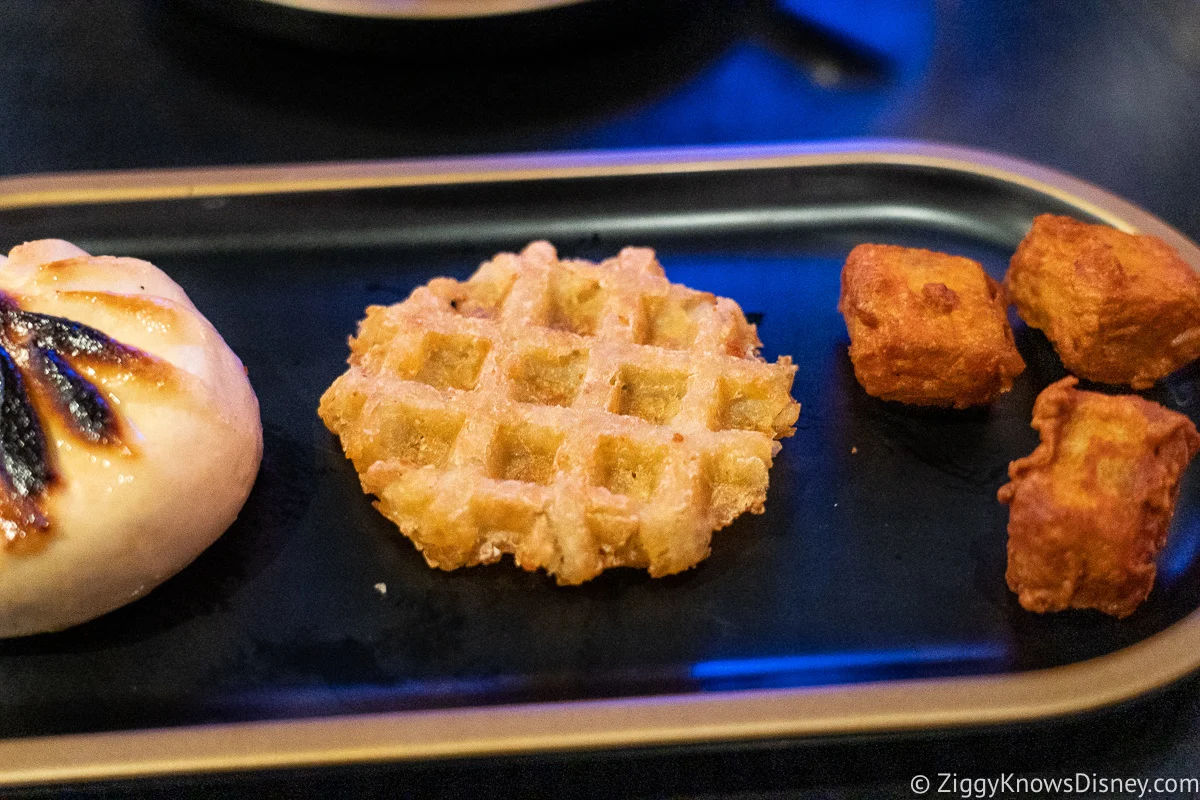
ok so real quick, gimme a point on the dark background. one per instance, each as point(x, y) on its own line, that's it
point(1108, 91)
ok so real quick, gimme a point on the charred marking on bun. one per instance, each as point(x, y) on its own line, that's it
point(80, 404)
point(25, 461)
point(39, 376)
point(26, 466)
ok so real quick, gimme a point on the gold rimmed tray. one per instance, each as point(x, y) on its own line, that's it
point(869, 598)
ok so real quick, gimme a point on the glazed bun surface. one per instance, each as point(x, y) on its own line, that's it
point(129, 431)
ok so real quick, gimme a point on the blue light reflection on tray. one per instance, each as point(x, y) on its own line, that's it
point(849, 667)
point(768, 672)
point(1183, 545)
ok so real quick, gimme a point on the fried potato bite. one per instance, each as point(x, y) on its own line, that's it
point(577, 416)
point(1090, 507)
point(1118, 308)
point(926, 328)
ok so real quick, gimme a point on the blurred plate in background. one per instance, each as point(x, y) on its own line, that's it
point(442, 30)
point(424, 9)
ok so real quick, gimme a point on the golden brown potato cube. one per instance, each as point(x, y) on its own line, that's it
point(1118, 308)
point(926, 328)
point(1090, 507)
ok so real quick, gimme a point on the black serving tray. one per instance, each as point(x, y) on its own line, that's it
point(870, 596)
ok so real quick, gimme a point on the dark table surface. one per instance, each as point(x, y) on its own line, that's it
point(1108, 90)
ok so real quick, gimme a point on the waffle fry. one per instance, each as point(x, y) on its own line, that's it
point(579, 416)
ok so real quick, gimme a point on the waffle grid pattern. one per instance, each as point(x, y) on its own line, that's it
point(579, 416)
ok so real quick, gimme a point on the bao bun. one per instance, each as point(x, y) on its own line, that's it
point(149, 435)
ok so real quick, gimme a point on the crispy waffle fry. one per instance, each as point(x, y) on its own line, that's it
point(579, 416)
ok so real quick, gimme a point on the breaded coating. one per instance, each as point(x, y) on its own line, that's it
point(1119, 308)
point(1090, 507)
point(579, 416)
point(926, 328)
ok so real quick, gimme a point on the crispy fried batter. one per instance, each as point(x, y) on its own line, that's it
point(579, 416)
point(1090, 507)
point(1119, 308)
point(926, 328)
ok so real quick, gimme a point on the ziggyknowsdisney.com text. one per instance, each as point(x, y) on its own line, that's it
point(1006, 784)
